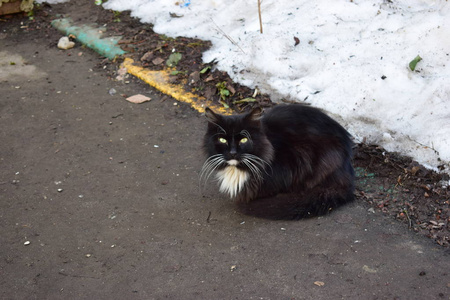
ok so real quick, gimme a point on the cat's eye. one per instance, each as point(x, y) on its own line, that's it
point(243, 140)
point(222, 140)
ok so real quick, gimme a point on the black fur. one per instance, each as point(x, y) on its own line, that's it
point(305, 160)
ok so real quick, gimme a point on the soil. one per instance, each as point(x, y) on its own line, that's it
point(100, 197)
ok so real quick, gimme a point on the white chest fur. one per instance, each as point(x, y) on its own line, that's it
point(232, 180)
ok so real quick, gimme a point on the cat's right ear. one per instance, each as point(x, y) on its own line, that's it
point(211, 116)
point(255, 114)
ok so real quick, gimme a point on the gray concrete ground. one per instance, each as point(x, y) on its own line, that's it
point(100, 199)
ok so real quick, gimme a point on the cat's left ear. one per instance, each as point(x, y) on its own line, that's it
point(255, 115)
point(211, 116)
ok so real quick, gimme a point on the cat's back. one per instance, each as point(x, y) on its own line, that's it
point(301, 119)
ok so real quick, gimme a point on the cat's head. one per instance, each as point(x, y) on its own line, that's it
point(237, 140)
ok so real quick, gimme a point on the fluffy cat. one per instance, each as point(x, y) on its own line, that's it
point(292, 161)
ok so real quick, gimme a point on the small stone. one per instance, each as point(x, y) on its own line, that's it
point(27, 243)
point(88, 255)
point(60, 190)
point(64, 43)
point(112, 91)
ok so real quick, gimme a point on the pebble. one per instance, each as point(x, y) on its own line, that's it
point(64, 43)
point(27, 243)
point(112, 91)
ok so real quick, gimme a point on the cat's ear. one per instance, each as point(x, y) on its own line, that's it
point(255, 114)
point(211, 116)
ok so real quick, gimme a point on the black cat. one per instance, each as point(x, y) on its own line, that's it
point(294, 151)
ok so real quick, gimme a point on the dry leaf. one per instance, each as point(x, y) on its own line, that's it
point(157, 61)
point(319, 283)
point(138, 99)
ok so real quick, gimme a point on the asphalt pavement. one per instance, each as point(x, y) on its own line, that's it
point(100, 199)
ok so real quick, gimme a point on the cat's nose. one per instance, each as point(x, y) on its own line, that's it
point(233, 153)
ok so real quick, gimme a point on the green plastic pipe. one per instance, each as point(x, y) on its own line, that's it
point(90, 37)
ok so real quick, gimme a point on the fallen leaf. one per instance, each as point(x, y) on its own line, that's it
point(224, 104)
point(205, 69)
point(138, 99)
point(297, 41)
point(148, 56)
point(414, 170)
point(173, 60)
point(194, 77)
point(245, 100)
point(231, 89)
point(157, 61)
point(121, 73)
point(369, 269)
point(174, 15)
point(413, 63)
point(209, 78)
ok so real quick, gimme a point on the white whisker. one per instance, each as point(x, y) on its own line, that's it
point(261, 163)
point(210, 165)
point(232, 179)
point(253, 168)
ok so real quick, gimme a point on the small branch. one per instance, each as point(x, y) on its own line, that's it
point(227, 36)
point(77, 276)
point(409, 219)
point(259, 14)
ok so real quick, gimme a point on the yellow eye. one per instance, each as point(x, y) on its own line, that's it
point(243, 140)
point(222, 140)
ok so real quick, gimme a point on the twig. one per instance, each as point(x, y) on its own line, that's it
point(259, 14)
point(77, 276)
point(409, 219)
point(227, 36)
point(423, 145)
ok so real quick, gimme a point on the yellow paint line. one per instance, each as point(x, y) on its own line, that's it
point(160, 81)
